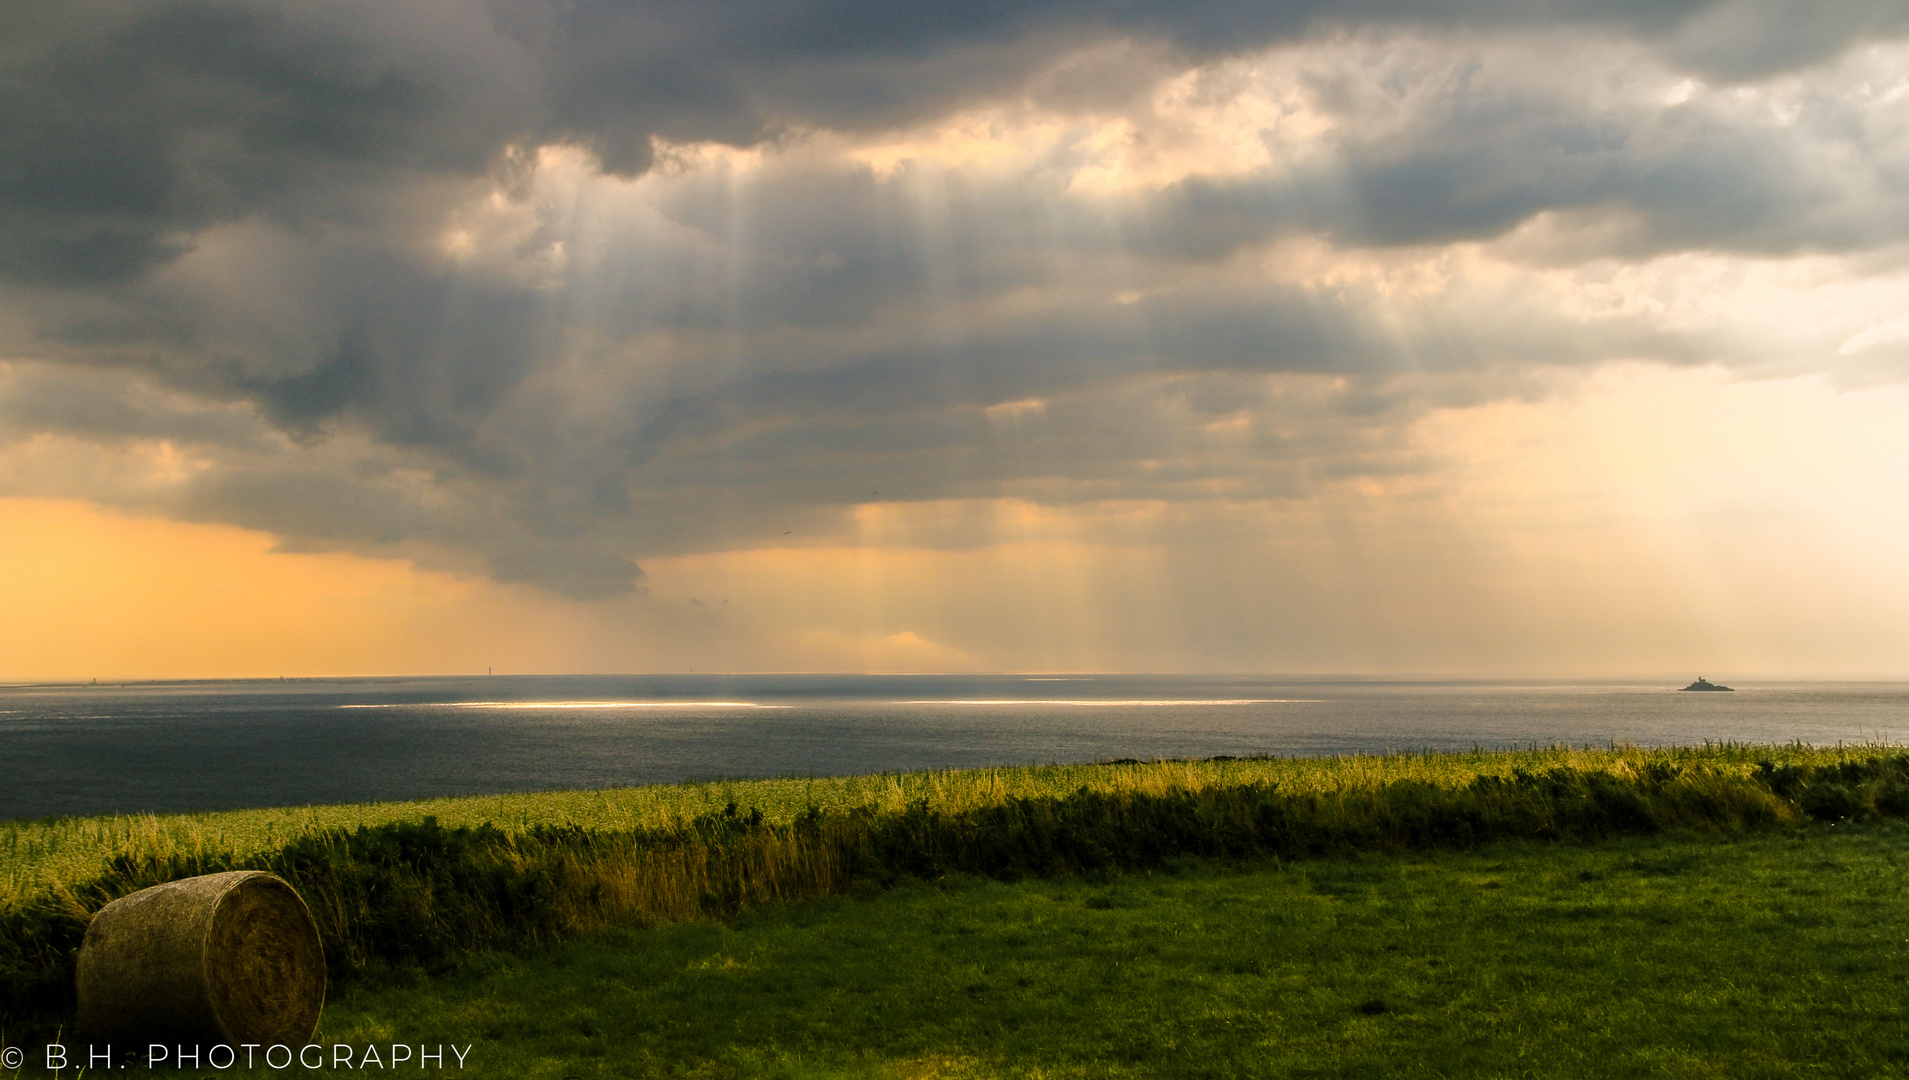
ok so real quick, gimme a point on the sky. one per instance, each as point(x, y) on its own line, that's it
point(1557, 338)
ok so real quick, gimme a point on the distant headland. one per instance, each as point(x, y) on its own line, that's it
point(1705, 684)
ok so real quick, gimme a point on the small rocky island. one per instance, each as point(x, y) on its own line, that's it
point(1705, 684)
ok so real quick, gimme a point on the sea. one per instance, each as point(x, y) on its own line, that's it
point(73, 750)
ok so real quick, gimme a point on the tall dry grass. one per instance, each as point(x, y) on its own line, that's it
point(397, 895)
point(38, 855)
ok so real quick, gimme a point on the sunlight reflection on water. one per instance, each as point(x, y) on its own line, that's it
point(170, 747)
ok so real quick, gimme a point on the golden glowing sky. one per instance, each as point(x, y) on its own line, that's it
point(1654, 520)
point(1564, 348)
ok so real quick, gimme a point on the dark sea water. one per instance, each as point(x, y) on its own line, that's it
point(219, 745)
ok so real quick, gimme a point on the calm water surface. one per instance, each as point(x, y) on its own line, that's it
point(183, 746)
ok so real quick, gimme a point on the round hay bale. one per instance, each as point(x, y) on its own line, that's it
point(226, 958)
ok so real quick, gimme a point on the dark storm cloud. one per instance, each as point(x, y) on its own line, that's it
point(129, 126)
point(1488, 161)
point(105, 405)
point(1747, 40)
point(736, 71)
point(223, 226)
point(334, 510)
point(421, 358)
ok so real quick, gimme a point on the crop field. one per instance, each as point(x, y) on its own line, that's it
point(37, 855)
point(411, 891)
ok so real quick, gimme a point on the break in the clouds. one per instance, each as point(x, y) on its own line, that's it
point(543, 290)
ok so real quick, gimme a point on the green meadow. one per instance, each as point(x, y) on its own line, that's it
point(1723, 910)
point(1772, 955)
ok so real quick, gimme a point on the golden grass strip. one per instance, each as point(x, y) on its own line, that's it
point(37, 855)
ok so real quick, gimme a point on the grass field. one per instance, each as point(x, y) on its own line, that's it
point(1380, 849)
point(1772, 955)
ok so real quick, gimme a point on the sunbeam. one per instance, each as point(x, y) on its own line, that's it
point(1114, 352)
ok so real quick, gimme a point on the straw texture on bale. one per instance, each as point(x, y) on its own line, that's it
point(226, 958)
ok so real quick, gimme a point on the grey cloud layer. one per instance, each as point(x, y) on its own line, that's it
point(128, 126)
point(223, 224)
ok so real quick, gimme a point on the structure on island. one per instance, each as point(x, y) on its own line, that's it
point(1705, 684)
